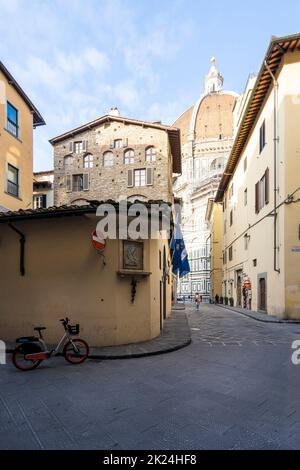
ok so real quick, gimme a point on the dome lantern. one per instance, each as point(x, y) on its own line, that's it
point(214, 80)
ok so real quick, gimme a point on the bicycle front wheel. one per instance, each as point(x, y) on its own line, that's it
point(76, 351)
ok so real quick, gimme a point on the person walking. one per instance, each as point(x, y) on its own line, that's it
point(197, 300)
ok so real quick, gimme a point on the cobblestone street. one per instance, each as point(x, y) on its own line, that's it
point(234, 387)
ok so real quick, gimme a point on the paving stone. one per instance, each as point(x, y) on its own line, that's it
point(205, 396)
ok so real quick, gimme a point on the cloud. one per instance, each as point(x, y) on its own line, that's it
point(80, 58)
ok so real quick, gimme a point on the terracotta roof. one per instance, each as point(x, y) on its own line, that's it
point(45, 172)
point(64, 211)
point(173, 134)
point(183, 123)
point(277, 48)
point(215, 116)
point(37, 117)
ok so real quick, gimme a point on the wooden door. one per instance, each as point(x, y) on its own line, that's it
point(262, 291)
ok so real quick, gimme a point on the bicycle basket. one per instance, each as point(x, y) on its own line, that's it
point(73, 329)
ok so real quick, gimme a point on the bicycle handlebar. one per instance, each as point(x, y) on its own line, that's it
point(65, 320)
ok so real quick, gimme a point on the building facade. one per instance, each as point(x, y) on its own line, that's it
point(18, 117)
point(207, 130)
point(213, 218)
point(260, 190)
point(43, 189)
point(115, 157)
point(119, 296)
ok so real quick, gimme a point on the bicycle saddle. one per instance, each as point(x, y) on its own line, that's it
point(39, 328)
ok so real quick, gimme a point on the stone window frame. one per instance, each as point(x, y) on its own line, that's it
point(108, 163)
point(69, 158)
point(88, 161)
point(129, 155)
point(118, 143)
point(140, 176)
point(150, 154)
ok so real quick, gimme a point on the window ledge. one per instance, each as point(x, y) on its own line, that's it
point(13, 135)
point(132, 273)
point(12, 195)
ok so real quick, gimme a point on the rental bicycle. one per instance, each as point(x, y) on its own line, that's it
point(32, 350)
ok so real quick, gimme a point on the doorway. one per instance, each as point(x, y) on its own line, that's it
point(160, 305)
point(164, 286)
point(262, 294)
point(239, 276)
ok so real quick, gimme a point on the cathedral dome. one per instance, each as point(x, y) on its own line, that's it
point(212, 116)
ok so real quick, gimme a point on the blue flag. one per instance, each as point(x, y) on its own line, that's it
point(180, 260)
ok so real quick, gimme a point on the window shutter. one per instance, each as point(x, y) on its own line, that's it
point(257, 198)
point(267, 185)
point(68, 183)
point(71, 147)
point(125, 142)
point(86, 182)
point(149, 177)
point(130, 178)
point(260, 134)
point(44, 205)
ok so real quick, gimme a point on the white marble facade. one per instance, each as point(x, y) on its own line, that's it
point(207, 137)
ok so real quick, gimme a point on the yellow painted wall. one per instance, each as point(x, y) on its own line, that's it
point(216, 251)
point(66, 276)
point(292, 183)
point(283, 288)
point(16, 151)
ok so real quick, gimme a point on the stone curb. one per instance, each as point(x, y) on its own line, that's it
point(144, 354)
point(254, 317)
point(176, 335)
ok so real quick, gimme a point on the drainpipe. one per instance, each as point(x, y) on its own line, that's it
point(22, 248)
point(275, 139)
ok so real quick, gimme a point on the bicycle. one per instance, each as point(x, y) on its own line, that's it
point(32, 350)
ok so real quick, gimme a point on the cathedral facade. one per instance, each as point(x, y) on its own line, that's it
point(207, 131)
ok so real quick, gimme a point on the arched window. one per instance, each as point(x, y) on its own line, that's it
point(88, 161)
point(129, 156)
point(137, 197)
point(108, 159)
point(150, 154)
point(68, 161)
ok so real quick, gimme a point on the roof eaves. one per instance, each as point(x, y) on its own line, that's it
point(107, 117)
point(64, 211)
point(255, 101)
point(38, 120)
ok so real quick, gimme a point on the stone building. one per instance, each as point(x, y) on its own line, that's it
point(18, 118)
point(260, 190)
point(43, 193)
point(115, 157)
point(207, 130)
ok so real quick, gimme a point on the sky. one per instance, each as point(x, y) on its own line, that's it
point(77, 58)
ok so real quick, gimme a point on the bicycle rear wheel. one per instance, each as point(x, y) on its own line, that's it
point(19, 360)
point(76, 351)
